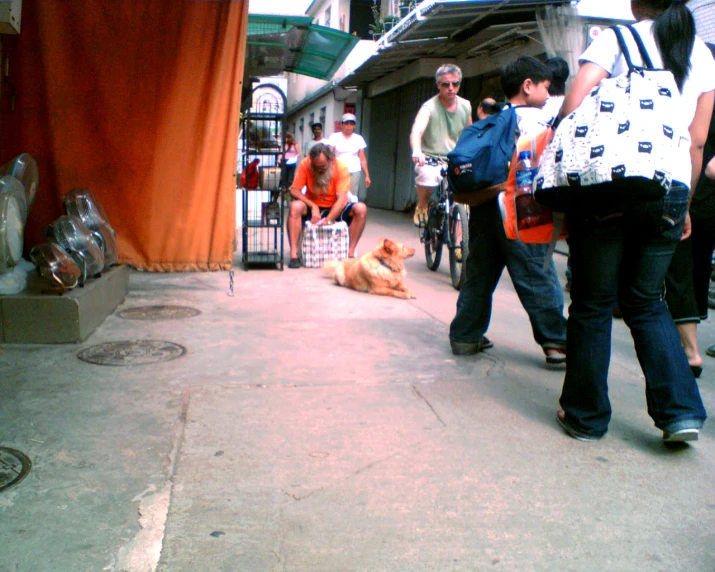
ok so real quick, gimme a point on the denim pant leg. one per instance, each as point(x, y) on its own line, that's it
point(539, 292)
point(672, 393)
point(627, 257)
point(595, 252)
point(484, 266)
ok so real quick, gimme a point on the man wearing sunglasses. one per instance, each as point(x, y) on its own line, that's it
point(435, 131)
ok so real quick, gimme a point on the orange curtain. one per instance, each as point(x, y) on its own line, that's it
point(137, 100)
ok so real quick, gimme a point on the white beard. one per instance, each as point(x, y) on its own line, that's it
point(322, 180)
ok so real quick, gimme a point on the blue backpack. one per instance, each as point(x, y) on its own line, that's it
point(483, 152)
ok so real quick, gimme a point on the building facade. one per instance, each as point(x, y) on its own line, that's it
point(311, 100)
point(384, 82)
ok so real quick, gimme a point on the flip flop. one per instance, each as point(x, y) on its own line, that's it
point(556, 358)
point(573, 431)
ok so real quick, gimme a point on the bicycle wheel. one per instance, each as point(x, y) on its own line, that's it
point(433, 238)
point(458, 244)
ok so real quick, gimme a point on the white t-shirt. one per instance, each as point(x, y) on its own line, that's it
point(309, 145)
point(531, 120)
point(346, 149)
point(553, 106)
point(604, 52)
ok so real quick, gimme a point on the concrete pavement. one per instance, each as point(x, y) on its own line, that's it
point(310, 427)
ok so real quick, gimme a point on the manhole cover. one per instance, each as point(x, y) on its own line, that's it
point(14, 467)
point(158, 313)
point(136, 352)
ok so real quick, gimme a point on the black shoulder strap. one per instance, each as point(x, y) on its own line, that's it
point(624, 48)
point(647, 62)
point(508, 141)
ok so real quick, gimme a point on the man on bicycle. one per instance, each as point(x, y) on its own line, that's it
point(435, 131)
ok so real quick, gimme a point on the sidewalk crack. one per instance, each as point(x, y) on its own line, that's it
point(422, 397)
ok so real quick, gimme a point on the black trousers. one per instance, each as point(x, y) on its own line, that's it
point(688, 280)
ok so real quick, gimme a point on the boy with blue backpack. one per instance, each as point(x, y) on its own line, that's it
point(525, 83)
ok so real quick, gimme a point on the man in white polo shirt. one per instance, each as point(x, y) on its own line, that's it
point(350, 148)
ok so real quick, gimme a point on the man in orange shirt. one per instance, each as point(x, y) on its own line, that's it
point(325, 201)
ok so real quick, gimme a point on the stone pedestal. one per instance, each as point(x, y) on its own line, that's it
point(34, 317)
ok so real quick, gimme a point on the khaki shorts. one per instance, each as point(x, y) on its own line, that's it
point(429, 175)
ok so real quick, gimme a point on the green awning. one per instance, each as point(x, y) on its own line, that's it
point(291, 43)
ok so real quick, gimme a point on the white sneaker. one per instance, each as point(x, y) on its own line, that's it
point(681, 436)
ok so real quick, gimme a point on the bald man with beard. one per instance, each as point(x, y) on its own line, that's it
point(325, 201)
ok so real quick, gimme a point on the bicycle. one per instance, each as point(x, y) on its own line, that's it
point(447, 223)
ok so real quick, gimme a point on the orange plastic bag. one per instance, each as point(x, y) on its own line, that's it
point(542, 234)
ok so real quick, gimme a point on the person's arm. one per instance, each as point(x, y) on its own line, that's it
point(312, 207)
point(342, 186)
point(299, 181)
point(363, 164)
point(418, 129)
point(698, 135)
point(336, 209)
point(588, 77)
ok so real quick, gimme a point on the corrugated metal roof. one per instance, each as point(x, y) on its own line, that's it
point(450, 29)
point(291, 43)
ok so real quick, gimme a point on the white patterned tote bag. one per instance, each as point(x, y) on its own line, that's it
point(321, 243)
point(619, 145)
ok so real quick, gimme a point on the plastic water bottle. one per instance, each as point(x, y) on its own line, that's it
point(529, 213)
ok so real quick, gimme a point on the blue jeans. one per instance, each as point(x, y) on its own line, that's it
point(625, 259)
point(539, 292)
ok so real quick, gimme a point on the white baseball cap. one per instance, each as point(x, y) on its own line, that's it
point(349, 117)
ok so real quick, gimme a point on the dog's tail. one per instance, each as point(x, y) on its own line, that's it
point(334, 269)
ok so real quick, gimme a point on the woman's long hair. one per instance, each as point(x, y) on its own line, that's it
point(674, 31)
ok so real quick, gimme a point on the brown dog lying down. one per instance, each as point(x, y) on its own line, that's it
point(380, 271)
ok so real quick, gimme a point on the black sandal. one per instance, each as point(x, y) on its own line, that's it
point(573, 431)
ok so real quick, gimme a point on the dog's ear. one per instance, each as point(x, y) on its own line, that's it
point(389, 246)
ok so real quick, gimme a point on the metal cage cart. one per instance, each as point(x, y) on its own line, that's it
point(262, 142)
